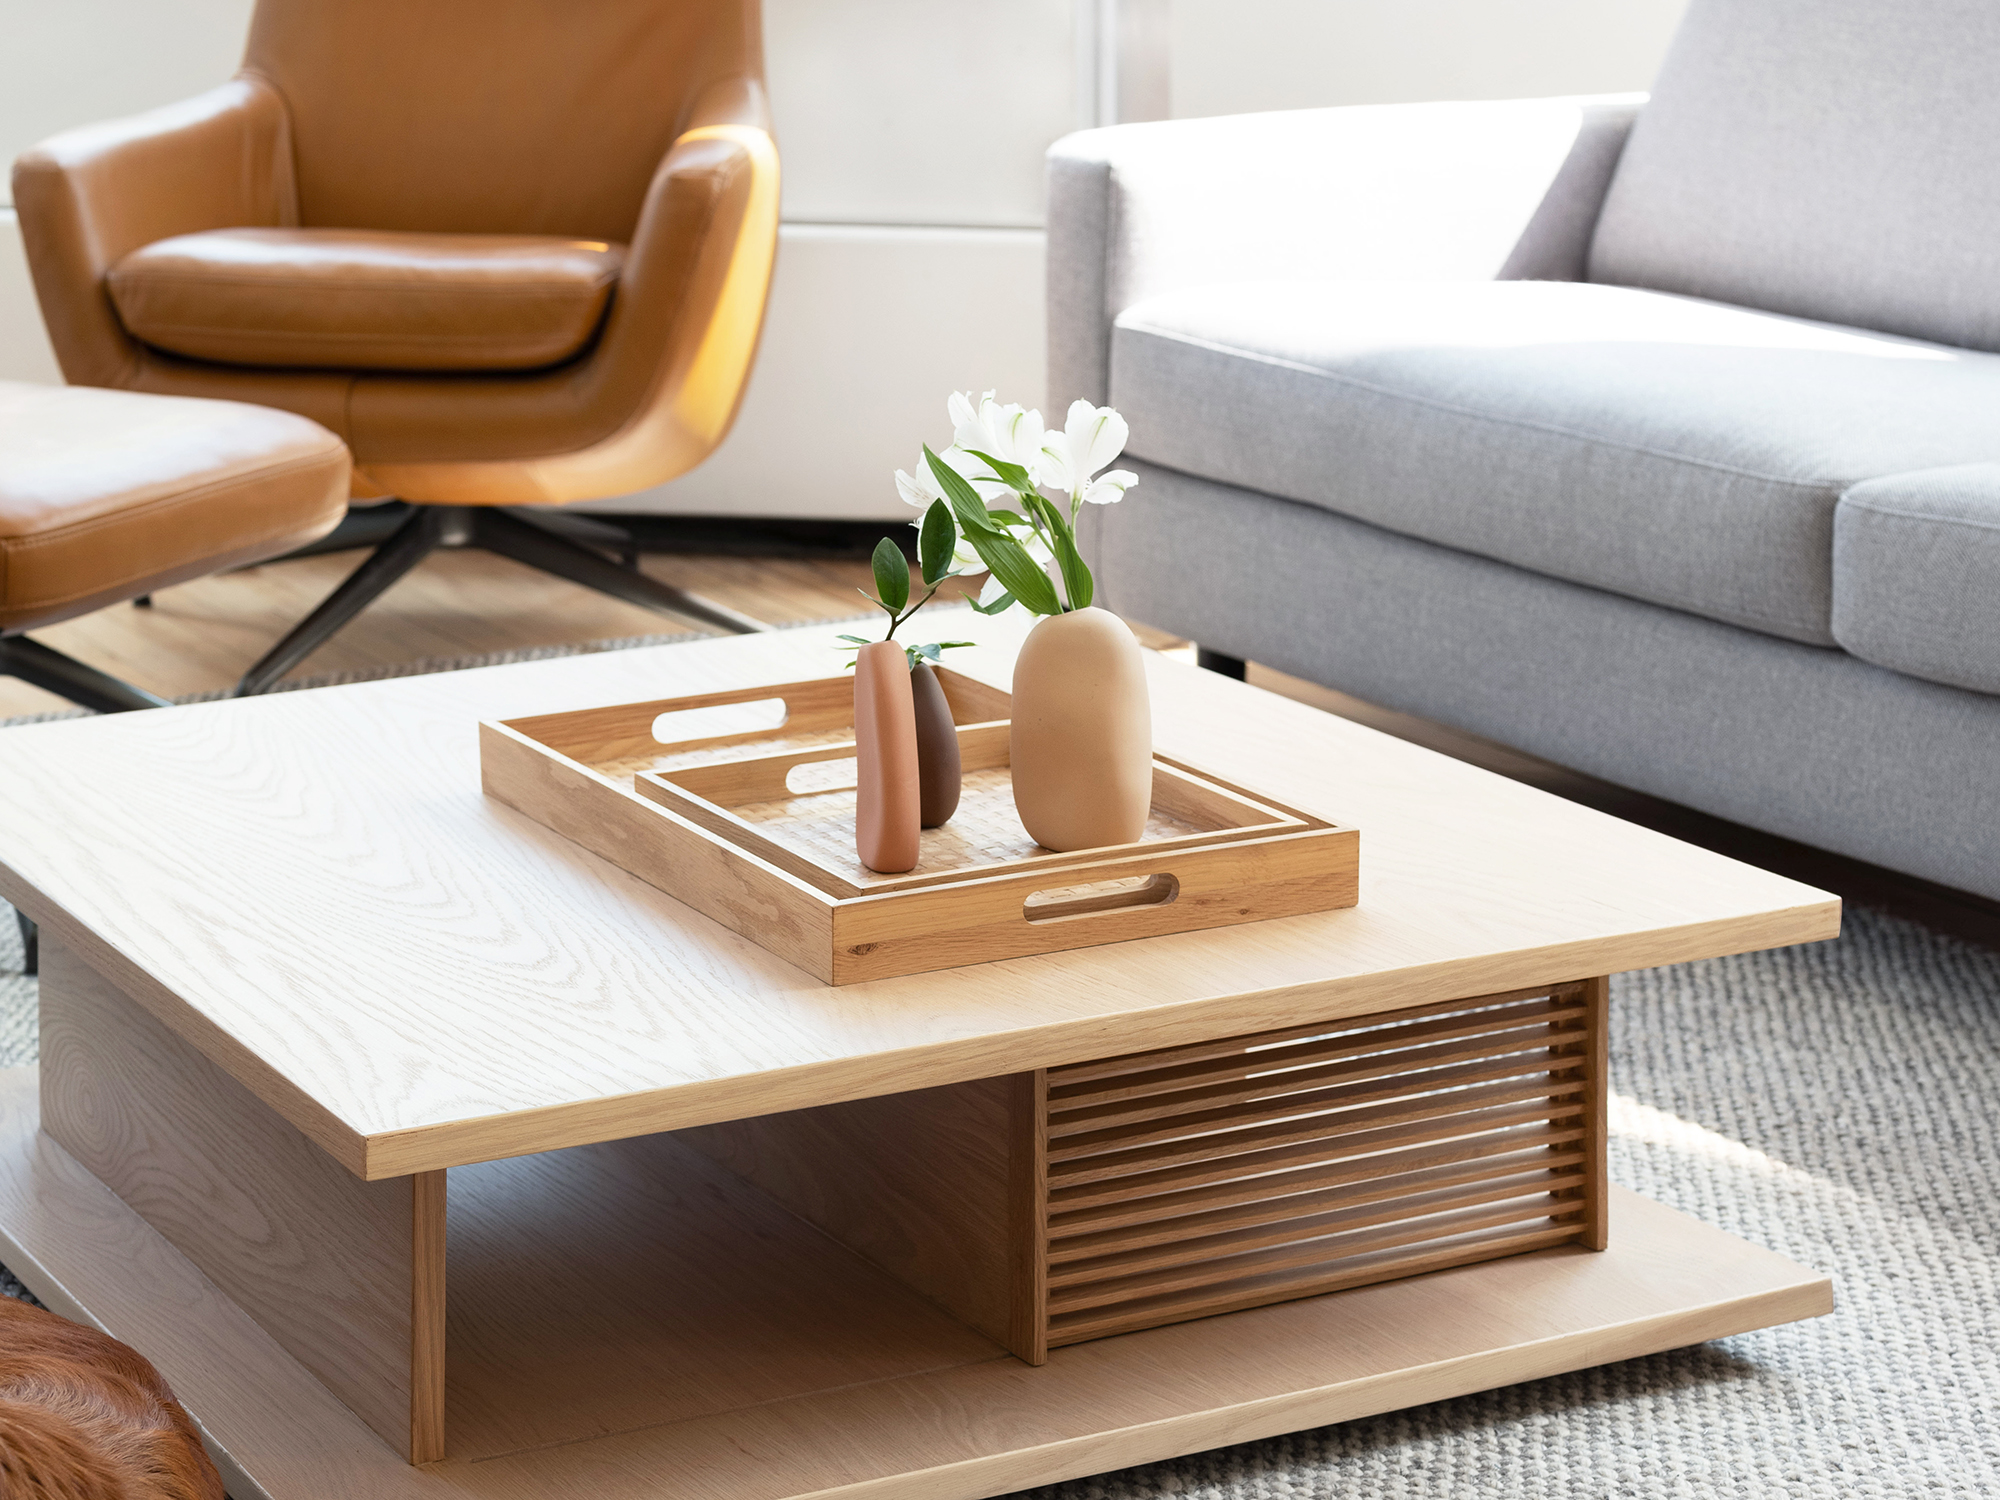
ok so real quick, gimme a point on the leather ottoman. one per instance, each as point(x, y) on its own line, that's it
point(107, 495)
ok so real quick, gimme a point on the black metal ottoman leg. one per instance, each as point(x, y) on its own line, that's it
point(48, 668)
point(31, 945)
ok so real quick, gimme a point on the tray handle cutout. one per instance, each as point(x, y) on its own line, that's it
point(1067, 903)
point(716, 720)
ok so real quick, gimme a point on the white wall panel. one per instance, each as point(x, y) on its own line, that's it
point(75, 62)
point(24, 344)
point(869, 330)
point(919, 111)
point(1242, 56)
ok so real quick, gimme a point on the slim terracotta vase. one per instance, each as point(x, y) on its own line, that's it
point(885, 741)
point(938, 774)
point(1082, 744)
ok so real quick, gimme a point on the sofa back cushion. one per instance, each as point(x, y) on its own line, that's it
point(1833, 159)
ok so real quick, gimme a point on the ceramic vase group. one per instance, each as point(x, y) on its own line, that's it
point(1081, 745)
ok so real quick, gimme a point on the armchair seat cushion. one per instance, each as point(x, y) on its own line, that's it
point(106, 495)
point(356, 299)
point(1916, 574)
point(1683, 452)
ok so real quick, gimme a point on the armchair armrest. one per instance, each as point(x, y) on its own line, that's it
point(662, 387)
point(1374, 192)
point(89, 197)
point(683, 333)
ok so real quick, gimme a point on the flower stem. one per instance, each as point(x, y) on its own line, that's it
point(895, 620)
point(1036, 521)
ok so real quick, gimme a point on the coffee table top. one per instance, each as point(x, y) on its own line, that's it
point(312, 889)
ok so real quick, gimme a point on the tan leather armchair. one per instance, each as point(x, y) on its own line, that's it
point(514, 252)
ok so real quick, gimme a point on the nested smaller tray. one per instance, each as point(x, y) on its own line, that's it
point(752, 822)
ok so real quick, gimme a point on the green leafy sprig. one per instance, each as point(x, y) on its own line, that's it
point(937, 544)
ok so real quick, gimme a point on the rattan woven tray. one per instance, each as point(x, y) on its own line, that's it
point(751, 821)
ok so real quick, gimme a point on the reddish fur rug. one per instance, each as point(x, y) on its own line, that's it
point(82, 1417)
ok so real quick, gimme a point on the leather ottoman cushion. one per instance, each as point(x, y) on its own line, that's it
point(105, 495)
point(359, 299)
point(1682, 452)
point(1916, 574)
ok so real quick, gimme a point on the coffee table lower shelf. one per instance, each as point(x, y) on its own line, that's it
point(976, 1423)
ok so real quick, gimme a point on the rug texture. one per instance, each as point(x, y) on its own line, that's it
point(1830, 1101)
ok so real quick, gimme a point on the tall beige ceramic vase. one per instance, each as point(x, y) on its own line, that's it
point(1083, 733)
point(887, 801)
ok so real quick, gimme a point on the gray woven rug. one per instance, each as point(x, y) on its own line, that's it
point(1830, 1102)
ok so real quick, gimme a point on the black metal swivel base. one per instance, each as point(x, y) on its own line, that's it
point(558, 544)
point(48, 668)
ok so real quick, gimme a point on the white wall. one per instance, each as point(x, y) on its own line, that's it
point(1241, 56)
point(868, 332)
point(72, 62)
point(919, 111)
point(24, 344)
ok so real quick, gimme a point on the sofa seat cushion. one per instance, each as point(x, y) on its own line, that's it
point(1916, 574)
point(1683, 452)
point(105, 495)
point(357, 299)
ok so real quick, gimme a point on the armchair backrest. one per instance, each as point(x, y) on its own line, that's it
point(1831, 159)
point(491, 116)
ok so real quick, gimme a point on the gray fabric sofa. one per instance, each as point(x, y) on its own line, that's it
point(1658, 437)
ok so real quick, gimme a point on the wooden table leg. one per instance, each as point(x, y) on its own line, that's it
point(346, 1275)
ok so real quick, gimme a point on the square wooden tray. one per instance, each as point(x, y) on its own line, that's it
point(741, 805)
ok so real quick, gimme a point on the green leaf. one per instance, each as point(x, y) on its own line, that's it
point(859, 640)
point(1077, 582)
point(936, 542)
point(1008, 517)
point(965, 501)
point(892, 576)
point(998, 606)
point(933, 651)
point(1019, 574)
point(1012, 475)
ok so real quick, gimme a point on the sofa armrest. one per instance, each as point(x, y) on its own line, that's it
point(1372, 192)
point(89, 197)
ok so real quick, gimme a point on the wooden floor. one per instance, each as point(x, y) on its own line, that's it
point(200, 636)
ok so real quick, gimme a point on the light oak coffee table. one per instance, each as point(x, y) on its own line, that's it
point(417, 1146)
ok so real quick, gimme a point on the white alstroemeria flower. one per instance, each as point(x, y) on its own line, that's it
point(1012, 434)
point(960, 409)
point(1109, 489)
point(1092, 437)
point(919, 489)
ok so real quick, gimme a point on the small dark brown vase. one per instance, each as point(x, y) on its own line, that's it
point(937, 748)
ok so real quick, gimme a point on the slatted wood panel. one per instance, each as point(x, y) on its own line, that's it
point(1256, 1169)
